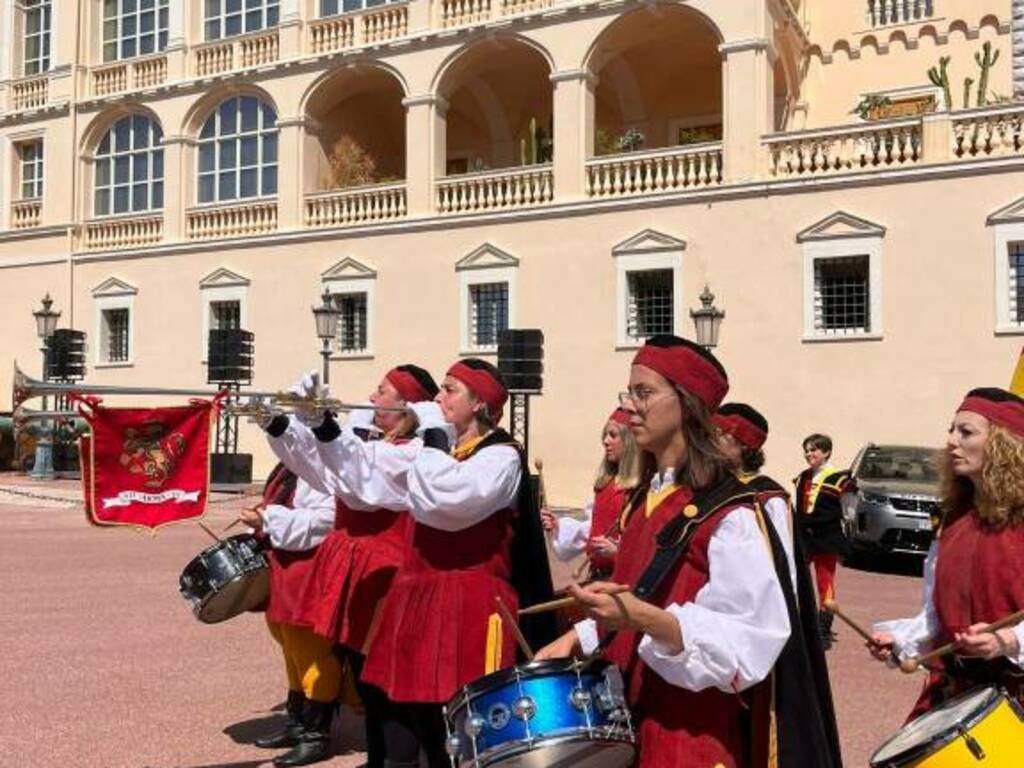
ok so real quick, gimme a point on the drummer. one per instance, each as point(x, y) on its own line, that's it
point(476, 536)
point(617, 479)
point(972, 572)
point(312, 670)
point(723, 617)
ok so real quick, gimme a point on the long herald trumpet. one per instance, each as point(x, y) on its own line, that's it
point(256, 403)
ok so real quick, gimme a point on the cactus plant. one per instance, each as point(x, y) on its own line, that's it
point(968, 82)
point(940, 78)
point(985, 61)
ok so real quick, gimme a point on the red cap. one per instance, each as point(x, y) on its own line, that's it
point(620, 416)
point(741, 429)
point(998, 406)
point(411, 390)
point(685, 365)
point(483, 385)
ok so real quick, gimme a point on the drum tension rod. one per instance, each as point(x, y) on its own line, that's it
point(971, 742)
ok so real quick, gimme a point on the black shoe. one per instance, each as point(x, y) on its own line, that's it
point(293, 728)
point(828, 637)
point(313, 747)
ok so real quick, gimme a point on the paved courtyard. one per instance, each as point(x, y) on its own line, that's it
point(104, 666)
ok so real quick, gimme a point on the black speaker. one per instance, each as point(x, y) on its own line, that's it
point(65, 355)
point(521, 359)
point(229, 356)
point(230, 468)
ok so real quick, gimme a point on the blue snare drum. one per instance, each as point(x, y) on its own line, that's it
point(561, 712)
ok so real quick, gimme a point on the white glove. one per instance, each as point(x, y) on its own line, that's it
point(362, 418)
point(429, 416)
point(309, 386)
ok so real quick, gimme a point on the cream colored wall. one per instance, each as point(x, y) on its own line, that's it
point(937, 294)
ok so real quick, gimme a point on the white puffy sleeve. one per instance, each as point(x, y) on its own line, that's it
point(368, 475)
point(305, 525)
point(453, 495)
point(914, 636)
point(779, 513)
point(737, 624)
point(571, 538)
point(296, 448)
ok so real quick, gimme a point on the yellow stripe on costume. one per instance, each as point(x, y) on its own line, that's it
point(1017, 382)
point(492, 660)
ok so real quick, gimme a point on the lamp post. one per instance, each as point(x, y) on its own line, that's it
point(46, 323)
point(707, 320)
point(326, 317)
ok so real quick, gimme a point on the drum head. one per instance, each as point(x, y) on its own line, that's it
point(937, 728)
point(244, 593)
point(563, 754)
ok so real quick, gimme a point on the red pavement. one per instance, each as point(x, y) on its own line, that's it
point(103, 665)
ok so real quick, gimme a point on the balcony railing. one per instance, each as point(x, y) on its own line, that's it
point(125, 76)
point(495, 190)
point(244, 52)
point(850, 148)
point(882, 13)
point(460, 13)
point(108, 234)
point(375, 25)
point(664, 170)
point(29, 93)
point(211, 222)
point(359, 205)
point(26, 213)
point(991, 132)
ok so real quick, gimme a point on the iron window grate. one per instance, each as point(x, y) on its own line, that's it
point(116, 321)
point(650, 302)
point(842, 296)
point(488, 313)
point(351, 322)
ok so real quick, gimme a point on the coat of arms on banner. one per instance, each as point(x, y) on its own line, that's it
point(146, 467)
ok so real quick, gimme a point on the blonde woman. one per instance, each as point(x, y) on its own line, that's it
point(972, 570)
point(617, 478)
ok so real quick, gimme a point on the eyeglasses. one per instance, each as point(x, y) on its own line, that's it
point(640, 399)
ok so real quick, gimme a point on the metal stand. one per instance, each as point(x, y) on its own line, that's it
point(519, 418)
point(226, 440)
point(42, 466)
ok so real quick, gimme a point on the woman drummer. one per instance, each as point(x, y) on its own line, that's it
point(720, 618)
point(971, 575)
point(617, 478)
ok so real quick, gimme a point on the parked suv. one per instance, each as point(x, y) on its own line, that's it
point(894, 501)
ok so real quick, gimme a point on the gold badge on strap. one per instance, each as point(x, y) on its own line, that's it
point(690, 511)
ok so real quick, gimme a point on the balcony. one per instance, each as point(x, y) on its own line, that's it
point(359, 205)
point(213, 222)
point(989, 132)
point(243, 52)
point(869, 147)
point(28, 93)
point(26, 214)
point(128, 76)
point(461, 13)
point(351, 30)
point(663, 170)
point(112, 233)
point(496, 190)
point(884, 13)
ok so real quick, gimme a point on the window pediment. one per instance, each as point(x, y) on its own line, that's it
point(113, 286)
point(648, 241)
point(348, 269)
point(838, 226)
point(223, 278)
point(487, 256)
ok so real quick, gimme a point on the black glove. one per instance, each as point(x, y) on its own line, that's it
point(328, 430)
point(277, 425)
point(436, 437)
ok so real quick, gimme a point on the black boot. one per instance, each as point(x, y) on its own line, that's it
point(289, 735)
point(314, 744)
point(825, 619)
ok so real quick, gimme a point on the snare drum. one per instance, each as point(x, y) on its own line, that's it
point(981, 727)
point(557, 712)
point(226, 579)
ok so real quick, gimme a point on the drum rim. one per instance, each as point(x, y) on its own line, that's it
point(202, 603)
point(947, 737)
point(516, 747)
point(531, 669)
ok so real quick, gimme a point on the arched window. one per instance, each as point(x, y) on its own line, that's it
point(238, 151)
point(129, 167)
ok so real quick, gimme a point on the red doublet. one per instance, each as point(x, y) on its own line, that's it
point(352, 572)
point(608, 505)
point(975, 582)
point(289, 571)
point(677, 728)
point(432, 637)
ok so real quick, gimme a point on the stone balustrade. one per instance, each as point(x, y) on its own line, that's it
point(211, 222)
point(989, 132)
point(128, 76)
point(496, 190)
point(374, 25)
point(106, 234)
point(26, 213)
point(357, 205)
point(243, 52)
point(663, 170)
point(863, 147)
point(29, 93)
point(882, 13)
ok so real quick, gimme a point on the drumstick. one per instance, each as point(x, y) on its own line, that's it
point(231, 525)
point(913, 663)
point(563, 602)
point(506, 614)
point(542, 497)
point(206, 528)
point(833, 607)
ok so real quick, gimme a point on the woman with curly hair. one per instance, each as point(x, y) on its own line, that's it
point(972, 570)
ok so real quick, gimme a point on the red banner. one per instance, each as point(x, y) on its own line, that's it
point(146, 467)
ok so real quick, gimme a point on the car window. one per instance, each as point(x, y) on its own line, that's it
point(910, 464)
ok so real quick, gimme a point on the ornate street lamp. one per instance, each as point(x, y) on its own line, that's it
point(707, 320)
point(326, 317)
point(46, 324)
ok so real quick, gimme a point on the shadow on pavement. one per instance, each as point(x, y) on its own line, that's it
point(247, 731)
point(243, 764)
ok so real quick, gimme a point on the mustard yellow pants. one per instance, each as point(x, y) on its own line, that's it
point(308, 661)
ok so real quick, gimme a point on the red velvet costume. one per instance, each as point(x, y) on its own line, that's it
point(609, 504)
point(289, 571)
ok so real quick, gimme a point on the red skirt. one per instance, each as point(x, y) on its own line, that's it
point(350, 578)
point(432, 638)
point(289, 575)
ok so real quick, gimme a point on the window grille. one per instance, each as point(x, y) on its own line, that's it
point(842, 295)
point(649, 307)
point(115, 322)
point(488, 313)
point(351, 322)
